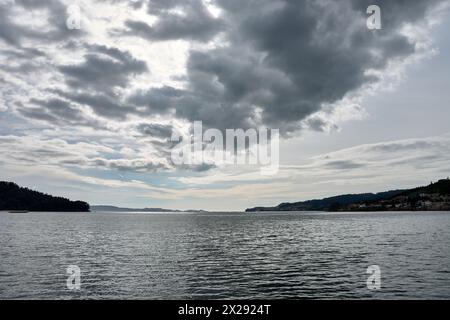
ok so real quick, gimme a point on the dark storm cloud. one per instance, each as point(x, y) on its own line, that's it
point(38, 114)
point(314, 46)
point(318, 124)
point(107, 106)
point(13, 33)
point(59, 108)
point(103, 69)
point(157, 100)
point(192, 22)
point(9, 32)
point(155, 130)
point(23, 54)
point(55, 111)
point(405, 146)
point(284, 60)
point(344, 165)
point(135, 165)
point(207, 98)
point(203, 167)
point(91, 83)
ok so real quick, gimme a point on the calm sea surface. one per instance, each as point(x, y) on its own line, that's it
point(224, 255)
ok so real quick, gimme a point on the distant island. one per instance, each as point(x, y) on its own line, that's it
point(107, 208)
point(15, 198)
point(434, 197)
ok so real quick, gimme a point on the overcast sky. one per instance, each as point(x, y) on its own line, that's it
point(88, 113)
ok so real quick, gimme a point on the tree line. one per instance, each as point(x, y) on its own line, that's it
point(13, 197)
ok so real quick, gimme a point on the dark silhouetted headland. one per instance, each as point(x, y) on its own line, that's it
point(15, 198)
point(435, 196)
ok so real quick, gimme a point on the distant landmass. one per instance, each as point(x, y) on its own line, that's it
point(435, 196)
point(15, 198)
point(106, 208)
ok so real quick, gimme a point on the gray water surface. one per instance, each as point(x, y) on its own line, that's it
point(224, 255)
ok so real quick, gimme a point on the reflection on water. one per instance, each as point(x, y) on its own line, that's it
point(224, 255)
